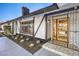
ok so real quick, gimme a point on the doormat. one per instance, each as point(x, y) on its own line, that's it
point(28, 43)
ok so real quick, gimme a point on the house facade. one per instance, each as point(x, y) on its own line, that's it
point(64, 26)
point(59, 24)
point(31, 23)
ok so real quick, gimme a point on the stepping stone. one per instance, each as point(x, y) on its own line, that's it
point(21, 37)
point(15, 38)
point(27, 39)
point(21, 41)
point(31, 45)
point(38, 41)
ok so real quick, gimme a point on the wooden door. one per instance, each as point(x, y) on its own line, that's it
point(60, 28)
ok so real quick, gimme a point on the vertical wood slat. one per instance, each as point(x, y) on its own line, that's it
point(46, 27)
point(73, 30)
point(33, 27)
point(68, 29)
point(52, 29)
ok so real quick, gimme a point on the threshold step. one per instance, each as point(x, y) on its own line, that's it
point(60, 50)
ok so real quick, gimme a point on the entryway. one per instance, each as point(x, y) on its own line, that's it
point(60, 28)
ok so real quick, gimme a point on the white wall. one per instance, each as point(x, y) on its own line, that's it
point(18, 26)
point(4, 25)
point(41, 31)
point(49, 27)
point(38, 18)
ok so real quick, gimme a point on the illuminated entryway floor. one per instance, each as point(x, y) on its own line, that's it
point(9, 48)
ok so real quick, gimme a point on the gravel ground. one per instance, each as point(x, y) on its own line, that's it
point(9, 48)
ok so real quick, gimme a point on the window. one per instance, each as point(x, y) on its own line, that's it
point(27, 27)
point(0, 29)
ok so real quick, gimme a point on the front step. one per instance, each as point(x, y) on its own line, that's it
point(60, 50)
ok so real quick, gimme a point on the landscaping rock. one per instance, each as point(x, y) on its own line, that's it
point(21, 37)
point(21, 41)
point(38, 41)
point(31, 45)
point(15, 38)
point(27, 39)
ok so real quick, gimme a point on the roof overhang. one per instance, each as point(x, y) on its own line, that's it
point(63, 10)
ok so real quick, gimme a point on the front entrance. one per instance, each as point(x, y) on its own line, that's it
point(60, 28)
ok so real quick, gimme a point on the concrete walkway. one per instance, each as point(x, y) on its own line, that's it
point(9, 48)
point(60, 50)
